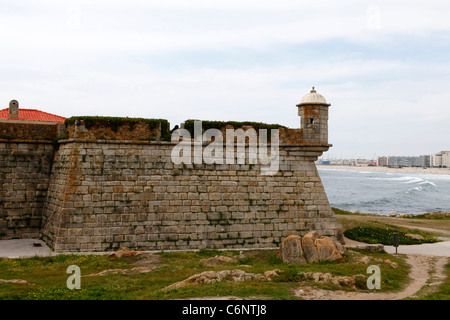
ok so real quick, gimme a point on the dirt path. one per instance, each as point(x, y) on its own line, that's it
point(445, 232)
point(438, 249)
point(424, 271)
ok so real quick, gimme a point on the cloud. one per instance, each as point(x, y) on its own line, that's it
point(124, 27)
point(382, 65)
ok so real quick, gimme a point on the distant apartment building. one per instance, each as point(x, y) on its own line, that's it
point(446, 159)
point(436, 160)
point(425, 160)
point(441, 159)
point(395, 161)
point(403, 161)
point(382, 161)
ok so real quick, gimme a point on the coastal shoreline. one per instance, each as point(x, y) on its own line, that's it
point(445, 171)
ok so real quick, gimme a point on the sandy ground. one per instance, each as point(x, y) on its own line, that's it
point(439, 249)
point(24, 248)
point(425, 271)
point(28, 248)
point(386, 169)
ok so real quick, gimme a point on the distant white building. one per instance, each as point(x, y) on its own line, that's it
point(436, 160)
point(441, 159)
point(446, 159)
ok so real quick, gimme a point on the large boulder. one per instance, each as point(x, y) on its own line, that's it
point(212, 277)
point(393, 214)
point(313, 247)
point(291, 250)
point(309, 248)
point(326, 249)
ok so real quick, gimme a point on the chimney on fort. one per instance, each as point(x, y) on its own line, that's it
point(313, 112)
point(14, 109)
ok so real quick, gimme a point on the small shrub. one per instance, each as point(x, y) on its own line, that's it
point(208, 252)
point(274, 259)
point(290, 275)
point(189, 125)
point(360, 281)
point(381, 236)
point(247, 260)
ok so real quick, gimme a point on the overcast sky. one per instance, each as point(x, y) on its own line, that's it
point(383, 65)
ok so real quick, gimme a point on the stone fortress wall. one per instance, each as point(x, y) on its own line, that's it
point(25, 168)
point(100, 189)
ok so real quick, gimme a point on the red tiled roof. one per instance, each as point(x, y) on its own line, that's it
point(32, 114)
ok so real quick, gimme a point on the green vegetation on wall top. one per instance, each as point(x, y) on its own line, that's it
point(115, 122)
point(189, 125)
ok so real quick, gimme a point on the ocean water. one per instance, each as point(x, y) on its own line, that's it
point(382, 192)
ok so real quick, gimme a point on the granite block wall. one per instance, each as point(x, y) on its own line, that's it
point(108, 194)
point(24, 176)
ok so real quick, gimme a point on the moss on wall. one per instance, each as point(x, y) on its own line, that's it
point(124, 123)
point(189, 125)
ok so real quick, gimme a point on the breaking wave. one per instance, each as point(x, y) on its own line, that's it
point(382, 192)
point(406, 179)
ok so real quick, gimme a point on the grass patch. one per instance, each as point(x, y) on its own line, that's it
point(49, 276)
point(208, 252)
point(432, 216)
point(344, 212)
